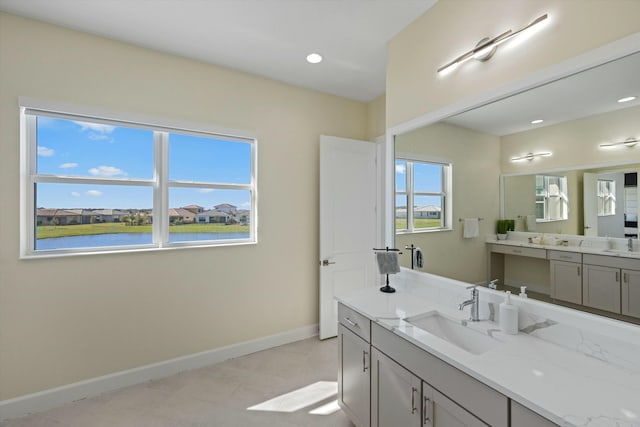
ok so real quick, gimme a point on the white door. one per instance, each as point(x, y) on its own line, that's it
point(590, 191)
point(348, 233)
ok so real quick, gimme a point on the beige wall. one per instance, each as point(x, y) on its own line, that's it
point(376, 118)
point(69, 319)
point(574, 143)
point(452, 27)
point(475, 160)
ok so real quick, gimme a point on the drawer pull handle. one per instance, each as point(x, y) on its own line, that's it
point(413, 400)
point(351, 322)
point(617, 276)
point(364, 361)
point(625, 278)
point(517, 251)
point(578, 271)
point(564, 257)
point(425, 411)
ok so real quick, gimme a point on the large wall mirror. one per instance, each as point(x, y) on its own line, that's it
point(581, 188)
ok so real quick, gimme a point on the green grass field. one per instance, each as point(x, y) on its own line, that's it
point(401, 223)
point(49, 231)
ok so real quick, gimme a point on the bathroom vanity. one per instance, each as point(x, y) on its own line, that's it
point(412, 359)
point(595, 273)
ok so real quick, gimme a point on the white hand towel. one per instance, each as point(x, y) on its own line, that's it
point(471, 228)
point(388, 262)
point(531, 223)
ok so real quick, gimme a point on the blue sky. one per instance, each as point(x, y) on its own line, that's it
point(75, 148)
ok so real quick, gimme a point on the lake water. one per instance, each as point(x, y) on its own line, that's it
point(125, 239)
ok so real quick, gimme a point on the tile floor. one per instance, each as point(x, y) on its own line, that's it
point(218, 395)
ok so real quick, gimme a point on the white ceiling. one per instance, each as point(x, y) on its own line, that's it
point(590, 92)
point(270, 38)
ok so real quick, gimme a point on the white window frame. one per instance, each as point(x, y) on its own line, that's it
point(606, 199)
point(563, 198)
point(160, 183)
point(446, 194)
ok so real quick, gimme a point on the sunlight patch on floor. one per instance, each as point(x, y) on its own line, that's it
point(300, 398)
point(327, 409)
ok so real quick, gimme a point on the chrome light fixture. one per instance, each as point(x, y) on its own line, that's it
point(530, 156)
point(486, 47)
point(629, 142)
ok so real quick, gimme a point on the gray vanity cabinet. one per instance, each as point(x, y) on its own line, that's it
point(440, 411)
point(353, 376)
point(601, 287)
point(566, 276)
point(395, 394)
point(354, 367)
point(521, 416)
point(630, 292)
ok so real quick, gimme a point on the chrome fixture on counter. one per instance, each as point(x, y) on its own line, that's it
point(474, 303)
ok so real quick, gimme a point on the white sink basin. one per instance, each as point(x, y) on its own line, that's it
point(621, 251)
point(453, 331)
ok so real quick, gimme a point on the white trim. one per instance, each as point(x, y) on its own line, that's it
point(47, 399)
point(609, 52)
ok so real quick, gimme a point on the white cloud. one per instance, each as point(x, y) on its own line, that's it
point(45, 152)
point(107, 171)
point(68, 165)
point(401, 169)
point(94, 193)
point(245, 205)
point(96, 127)
point(205, 190)
point(99, 137)
point(75, 194)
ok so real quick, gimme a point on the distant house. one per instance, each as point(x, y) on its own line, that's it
point(194, 208)
point(57, 217)
point(181, 215)
point(213, 216)
point(106, 215)
point(432, 212)
point(226, 207)
point(243, 216)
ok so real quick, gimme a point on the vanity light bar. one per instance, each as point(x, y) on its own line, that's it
point(530, 156)
point(629, 142)
point(487, 46)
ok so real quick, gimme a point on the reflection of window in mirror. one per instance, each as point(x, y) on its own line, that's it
point(552, 200)
point(606, 197)
point(421, 195)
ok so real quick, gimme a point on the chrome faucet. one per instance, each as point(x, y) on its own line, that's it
point(630, 244)
point(473, 302)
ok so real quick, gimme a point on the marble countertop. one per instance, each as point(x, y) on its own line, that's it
point(579, 244)
point(572, 375)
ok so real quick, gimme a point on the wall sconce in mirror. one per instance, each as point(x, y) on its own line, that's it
point(486, 47)
point(629, 142)
point(530, 156)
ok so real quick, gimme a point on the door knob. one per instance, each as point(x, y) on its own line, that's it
point(326, 262)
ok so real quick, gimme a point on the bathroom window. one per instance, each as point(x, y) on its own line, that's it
point(606, 197)
point(99, 185)
point(422, 195)
point(552, 201)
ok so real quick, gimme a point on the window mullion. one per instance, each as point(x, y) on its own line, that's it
point(160, 189)
point(410, 197)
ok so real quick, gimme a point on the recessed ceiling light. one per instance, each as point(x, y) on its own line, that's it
point(627, 99)
point(537, 121)
point(314, 58)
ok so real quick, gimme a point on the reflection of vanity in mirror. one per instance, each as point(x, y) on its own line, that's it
point(582, 188)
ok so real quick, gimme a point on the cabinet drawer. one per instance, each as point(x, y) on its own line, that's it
point(520, 251)
point(612, 261)
point(477, 398)
point(355, 322)
point(565, 256)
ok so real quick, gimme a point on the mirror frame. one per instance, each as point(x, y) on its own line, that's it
point(609, 52)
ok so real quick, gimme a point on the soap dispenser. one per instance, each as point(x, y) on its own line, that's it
point(508, 316)
point(523, 292)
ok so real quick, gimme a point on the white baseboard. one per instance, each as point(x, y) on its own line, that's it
point(47, 399)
